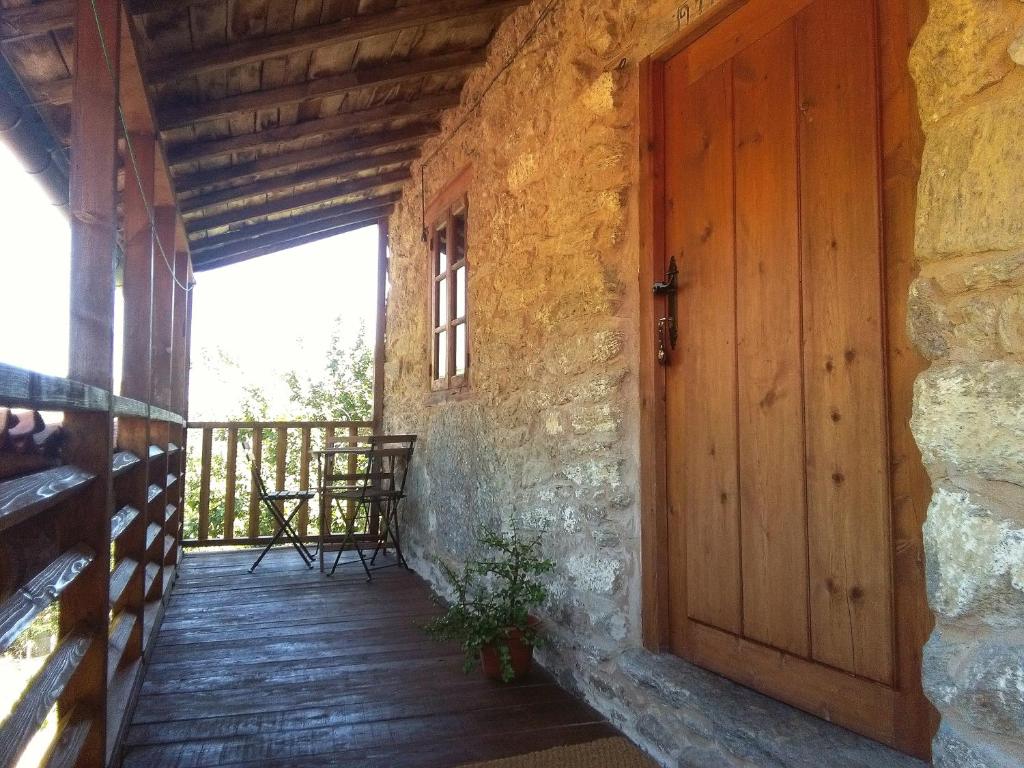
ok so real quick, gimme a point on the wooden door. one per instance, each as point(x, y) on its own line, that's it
point(780, 553)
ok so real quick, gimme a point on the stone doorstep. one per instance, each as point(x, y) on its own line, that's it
point(693, 715)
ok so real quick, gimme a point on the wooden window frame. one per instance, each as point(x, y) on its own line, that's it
point(451, 203)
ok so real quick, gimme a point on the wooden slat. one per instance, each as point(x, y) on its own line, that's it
point(310, 176)
point(155, 451)
point(120, 521)
point(375, 208)
point(226, 256)
point(40, 592)
point(121, 577)
point(172, 448)
point(24, 497)
point(120, 633)
point(153, 533)
point(847, 452)
point(22, 388)
point(254, 493)
point(301, 200)
point(426, 108)
point(172, 478)
point(229, 487)
point(703, 482)
point(169, 512)
point(153, 571)
point(72, 733)
point(37, 19)
point(39, 698)
point(178, 115)
point(348, 29)
point(154, 492)
point(127, 406)
point(771, 436)
point(124, 461)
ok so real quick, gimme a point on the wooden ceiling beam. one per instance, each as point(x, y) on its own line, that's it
point(338, 212)
point(426, 107)
point(334, 151)
point(178, 115)
point(38, 19)
point(55, 92)
point(352, 28)
point(223, 259)
point(142, 7)
point(230, 246)
point(293, 202)
point(309, 176)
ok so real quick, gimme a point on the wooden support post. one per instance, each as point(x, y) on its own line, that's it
point(204, 486)
point(379, 348)
point(163, 303)
point(180, 326)
point(133, 432)
point(93, 201)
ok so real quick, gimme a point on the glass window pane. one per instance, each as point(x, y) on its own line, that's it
point(441, 298)
point(442, 250)
point(460, 349)
point(459, 236)
point(441, 355)
point(460, 292)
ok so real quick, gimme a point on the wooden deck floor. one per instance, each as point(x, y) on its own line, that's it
point(287, 667)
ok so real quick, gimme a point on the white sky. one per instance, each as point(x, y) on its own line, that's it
point(270, 314)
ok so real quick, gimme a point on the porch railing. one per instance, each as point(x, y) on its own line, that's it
point(221, 503)
point(90, 543)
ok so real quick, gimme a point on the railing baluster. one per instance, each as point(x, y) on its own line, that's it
point(304, 481)
point(254, 494)
point(281, 458)
point(204, 486)
point(229, 484)
point(328, 506)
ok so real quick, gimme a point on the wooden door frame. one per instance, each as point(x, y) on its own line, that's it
point(901, 148)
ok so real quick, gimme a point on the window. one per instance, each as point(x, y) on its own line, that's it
point(450, 334)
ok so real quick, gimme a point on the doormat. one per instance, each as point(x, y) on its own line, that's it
point(603, 753)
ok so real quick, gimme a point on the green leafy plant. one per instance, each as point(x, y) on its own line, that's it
point(494, 596)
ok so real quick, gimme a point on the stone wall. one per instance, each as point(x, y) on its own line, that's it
point(967, 317)
point(547, 435)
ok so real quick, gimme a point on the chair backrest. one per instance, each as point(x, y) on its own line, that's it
point(393, 454)
point(254, 468)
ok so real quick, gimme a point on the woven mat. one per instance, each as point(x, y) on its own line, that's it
point(603, 753)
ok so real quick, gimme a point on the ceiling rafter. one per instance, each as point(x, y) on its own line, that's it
point(241, 245)
point(334, 151)
point(351, 28)
point(176, 115)
point(426, 108)
point(302, 200)
point(309, 176)
point(37, 19)
point(258, 231)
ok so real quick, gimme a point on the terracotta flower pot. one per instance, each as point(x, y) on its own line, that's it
point(520, 652)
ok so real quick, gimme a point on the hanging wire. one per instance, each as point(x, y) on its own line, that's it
point(479, 100)
point(151, 215)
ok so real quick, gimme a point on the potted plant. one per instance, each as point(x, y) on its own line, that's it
point(494, 595)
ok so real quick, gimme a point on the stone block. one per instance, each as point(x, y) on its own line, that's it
point(969, 418)
point(972, 181)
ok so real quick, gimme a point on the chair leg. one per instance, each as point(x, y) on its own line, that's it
point(350, 537)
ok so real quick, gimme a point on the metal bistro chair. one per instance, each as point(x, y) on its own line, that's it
point(274, 502)
point(367, 497)
point(393, 456)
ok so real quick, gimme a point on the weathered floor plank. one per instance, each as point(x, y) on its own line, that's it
point(286, 667)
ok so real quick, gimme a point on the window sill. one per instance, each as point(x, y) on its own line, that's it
point(453, 395)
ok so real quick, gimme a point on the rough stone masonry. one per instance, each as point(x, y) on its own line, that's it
point(548, 436)
point(967, 317)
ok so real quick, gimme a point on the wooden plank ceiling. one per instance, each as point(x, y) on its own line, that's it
point(284, 121)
